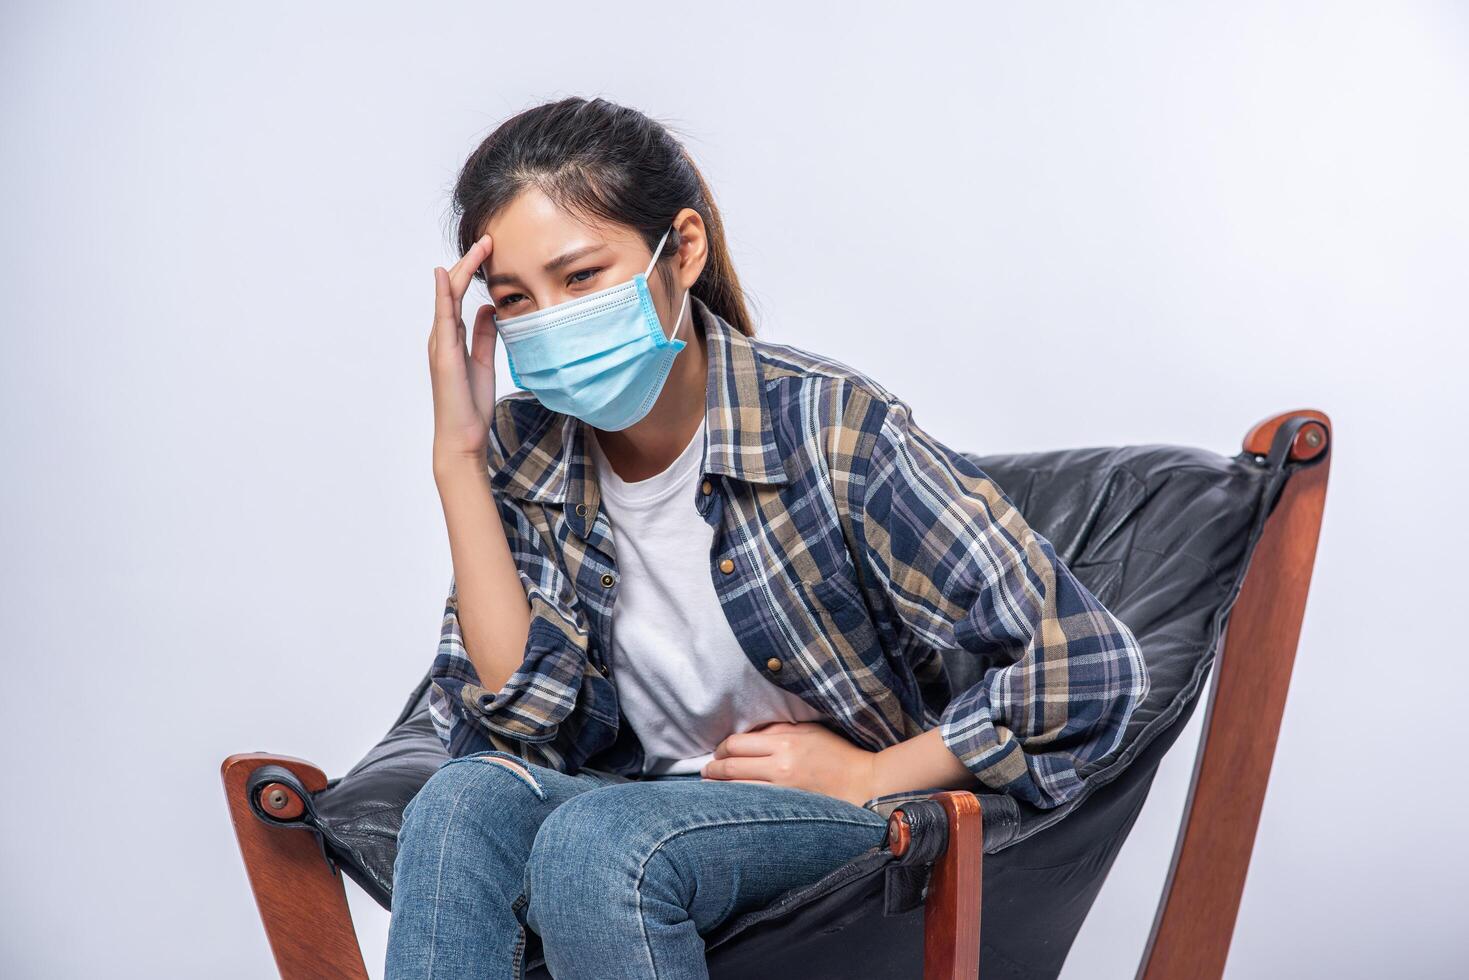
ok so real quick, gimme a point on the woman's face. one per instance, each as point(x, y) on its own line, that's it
point(541, 256)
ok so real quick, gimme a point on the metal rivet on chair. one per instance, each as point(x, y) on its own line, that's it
point(899, 833)
point(279, 801)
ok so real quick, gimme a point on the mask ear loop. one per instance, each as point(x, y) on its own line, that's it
point(649, 271)
point(679, 322)
point(657, 250)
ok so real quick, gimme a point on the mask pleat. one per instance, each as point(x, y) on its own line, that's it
point(564, 356)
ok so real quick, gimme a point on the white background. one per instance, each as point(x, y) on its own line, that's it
point(1043, 228)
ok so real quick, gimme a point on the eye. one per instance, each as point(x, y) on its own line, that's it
point(510, 300)
point(586, 273)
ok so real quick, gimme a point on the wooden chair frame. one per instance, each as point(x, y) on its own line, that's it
point(303, 903)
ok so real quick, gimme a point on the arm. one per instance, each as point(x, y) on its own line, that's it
point(535, 664)
point(921, 762)
point(965, 571)
point(512, 681)
point(493, 612)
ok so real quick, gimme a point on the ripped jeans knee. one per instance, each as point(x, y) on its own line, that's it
point(503, 760)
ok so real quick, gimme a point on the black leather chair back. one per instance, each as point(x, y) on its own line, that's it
point(1161, 535)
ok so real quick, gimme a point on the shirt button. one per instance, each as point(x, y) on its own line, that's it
point(773, 663)
point(603, 669)
point(607, 579)
point(707, 487)
point(726, 566)
point(581, 510)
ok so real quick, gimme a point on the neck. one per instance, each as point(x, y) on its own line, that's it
point(649, 446)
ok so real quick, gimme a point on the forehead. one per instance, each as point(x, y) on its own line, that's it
point(533, 229)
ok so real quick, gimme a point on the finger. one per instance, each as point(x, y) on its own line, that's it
point(463, 270)
point(779, 726)
point(745, 744)
point(471, 260)
point(482, 359)
point(446, 347)
point(739, 767)
point(483, 339)
point(443, 298)
point(448, 311)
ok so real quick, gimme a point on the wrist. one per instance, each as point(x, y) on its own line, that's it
point(921, 762)
point(878, 775)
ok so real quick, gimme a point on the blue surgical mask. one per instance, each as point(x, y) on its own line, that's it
point(602, 357)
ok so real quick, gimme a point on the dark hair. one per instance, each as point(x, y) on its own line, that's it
point(606, 161)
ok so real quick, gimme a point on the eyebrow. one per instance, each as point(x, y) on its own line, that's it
point(564, 259)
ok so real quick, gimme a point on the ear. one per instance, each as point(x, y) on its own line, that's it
point(693, 248)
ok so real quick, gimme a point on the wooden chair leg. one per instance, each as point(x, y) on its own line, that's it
point(300, 896)
point(1195, 920)
point(951, 910)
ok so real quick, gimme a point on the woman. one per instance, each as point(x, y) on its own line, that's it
point(701, 585)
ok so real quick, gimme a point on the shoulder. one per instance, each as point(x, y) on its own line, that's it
point(822, 397)
point(796, 379)
point(828, 415)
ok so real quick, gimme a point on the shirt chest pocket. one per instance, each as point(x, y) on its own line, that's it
point(837, 605)
point(846, 634)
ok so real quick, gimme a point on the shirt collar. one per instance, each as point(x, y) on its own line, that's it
point(553, 462)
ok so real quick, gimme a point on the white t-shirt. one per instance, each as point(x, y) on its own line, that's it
point(682, 678)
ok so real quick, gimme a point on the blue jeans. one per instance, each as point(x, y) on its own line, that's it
point(618, 877)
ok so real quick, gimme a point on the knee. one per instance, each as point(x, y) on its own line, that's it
point(464, 796)
point(610, 856)
point(590, 846)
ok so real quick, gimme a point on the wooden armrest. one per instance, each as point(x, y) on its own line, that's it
point(300, 896)
point(951, 909)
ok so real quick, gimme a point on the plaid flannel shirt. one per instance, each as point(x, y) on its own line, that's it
point(850, 548)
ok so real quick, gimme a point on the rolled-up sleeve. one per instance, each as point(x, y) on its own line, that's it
point(531, 705)
point(964, 571)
